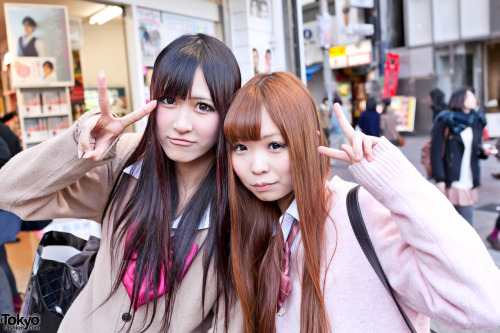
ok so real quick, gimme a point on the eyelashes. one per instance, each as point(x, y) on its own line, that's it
point(272, 146)
point(200, 106)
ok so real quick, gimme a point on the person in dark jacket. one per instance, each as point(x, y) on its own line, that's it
point(455, 152)
point(369, 120)
point(10, 139)
point(438, 102)
point(9, 146)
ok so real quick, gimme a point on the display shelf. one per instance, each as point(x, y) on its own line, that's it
point(43, 113)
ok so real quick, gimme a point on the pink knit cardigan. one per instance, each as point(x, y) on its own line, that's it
point(434, 259)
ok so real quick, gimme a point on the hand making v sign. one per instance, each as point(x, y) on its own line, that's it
point(361, 144)
point(104, 127)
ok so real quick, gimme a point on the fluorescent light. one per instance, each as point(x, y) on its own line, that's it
point(108, 13)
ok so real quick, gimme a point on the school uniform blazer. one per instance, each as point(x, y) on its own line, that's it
point(49, 181)
point(435, 261)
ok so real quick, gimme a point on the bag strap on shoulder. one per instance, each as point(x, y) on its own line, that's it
point(359, 228)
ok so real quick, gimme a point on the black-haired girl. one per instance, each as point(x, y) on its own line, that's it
point(161, 196)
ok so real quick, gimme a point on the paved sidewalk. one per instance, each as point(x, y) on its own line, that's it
point(488, 194)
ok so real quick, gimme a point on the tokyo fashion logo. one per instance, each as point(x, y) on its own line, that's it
point(16, 322)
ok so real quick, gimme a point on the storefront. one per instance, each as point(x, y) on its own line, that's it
point(124, 47)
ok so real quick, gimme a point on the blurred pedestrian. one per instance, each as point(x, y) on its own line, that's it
point(388, 121)
point(456, 148)
point(325, 113)
point(438, 102)
point(9, 146)
point(369, 120)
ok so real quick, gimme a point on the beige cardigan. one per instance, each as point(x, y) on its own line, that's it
point(49, 181)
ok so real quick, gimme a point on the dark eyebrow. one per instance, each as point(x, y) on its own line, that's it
point(201, 98)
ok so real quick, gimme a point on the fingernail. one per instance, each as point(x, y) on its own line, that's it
point(100, 73)
point(358, 156)
point(79, 154)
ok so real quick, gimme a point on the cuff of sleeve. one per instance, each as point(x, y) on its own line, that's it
point(111, 152)
point(388, 165)
point(81, 120)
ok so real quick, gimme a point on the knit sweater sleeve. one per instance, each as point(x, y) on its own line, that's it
point(433, 258)
point(50, 181)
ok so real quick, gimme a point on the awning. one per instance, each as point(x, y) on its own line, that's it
point(312, 69)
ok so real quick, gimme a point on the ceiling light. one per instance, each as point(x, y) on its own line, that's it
point(106, 14)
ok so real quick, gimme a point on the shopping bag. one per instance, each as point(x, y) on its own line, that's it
point(61, 269)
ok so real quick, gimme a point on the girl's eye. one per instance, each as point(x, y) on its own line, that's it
point(239, 147)
point(168, 101)
point(276, 145)
point(205, 107)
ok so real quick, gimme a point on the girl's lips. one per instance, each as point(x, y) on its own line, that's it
point(181, 142)
point(262, 187)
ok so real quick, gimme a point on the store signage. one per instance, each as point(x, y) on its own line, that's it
point(404, 109)
point(362, 3)
point(391, 74)
point(351, 55)
point(337, 51)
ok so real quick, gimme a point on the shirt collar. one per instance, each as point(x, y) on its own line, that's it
point(135, 171)
point(286, 220)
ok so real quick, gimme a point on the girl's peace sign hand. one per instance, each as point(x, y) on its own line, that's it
point(104, 128)
point(361, 144)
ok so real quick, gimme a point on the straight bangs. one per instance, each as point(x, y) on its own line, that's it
point(243, 121)
point(176, 82)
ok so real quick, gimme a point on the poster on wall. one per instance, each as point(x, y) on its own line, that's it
point(404, 108)
point(150, 34)
point(261, 36)
point(38, 38)
point(117, 100)
point(34, 71)
point(178, 25)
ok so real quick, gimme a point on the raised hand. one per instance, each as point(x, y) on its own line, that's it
point(104, 128)
point(361, 145)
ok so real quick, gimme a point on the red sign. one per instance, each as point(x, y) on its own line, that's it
point(391, 74)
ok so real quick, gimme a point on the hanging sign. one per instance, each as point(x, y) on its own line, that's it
point(391, 74)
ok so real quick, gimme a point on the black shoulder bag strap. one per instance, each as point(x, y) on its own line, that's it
point(359, 228)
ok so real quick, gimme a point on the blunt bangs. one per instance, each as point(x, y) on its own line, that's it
point(177, 82)
point(243, 120)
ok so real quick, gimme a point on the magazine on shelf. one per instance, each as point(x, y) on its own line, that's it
point(32, 105)
point(54, 102)
point(36, 129)
point(57, 125)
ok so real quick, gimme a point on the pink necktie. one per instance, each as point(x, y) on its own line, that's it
point(285, 285)
point(144, 297)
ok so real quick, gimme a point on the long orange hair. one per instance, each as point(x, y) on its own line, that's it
point(257, 255)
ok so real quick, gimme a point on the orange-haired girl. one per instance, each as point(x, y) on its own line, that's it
point(296, 261)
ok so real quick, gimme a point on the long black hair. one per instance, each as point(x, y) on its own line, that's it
point(153, 201)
